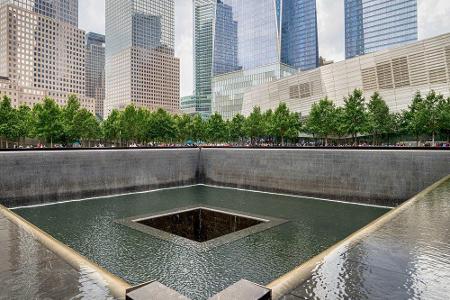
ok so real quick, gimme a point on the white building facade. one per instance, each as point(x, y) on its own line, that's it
point(397, 74)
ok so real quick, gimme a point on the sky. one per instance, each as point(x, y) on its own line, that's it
point(433, 20)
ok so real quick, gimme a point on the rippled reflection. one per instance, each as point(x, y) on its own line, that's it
point(407, 258)
point(137, 257)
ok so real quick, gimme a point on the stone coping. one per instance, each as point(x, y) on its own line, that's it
point(288, 282)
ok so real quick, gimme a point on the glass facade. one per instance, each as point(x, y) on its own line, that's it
point(373, 25)
point(140, 23)
point(204, 11)
point(241, 35)
point(61, 10)
point(299, 40)
point(95, 70)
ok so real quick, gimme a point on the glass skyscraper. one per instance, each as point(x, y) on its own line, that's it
point(61, 10)
point(140, 65)
point(243, 35)
point(372, 25)
point(95, 70)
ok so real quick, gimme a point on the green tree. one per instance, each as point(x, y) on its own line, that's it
point(68, 113)
point(162, 127)
point(339, 129)
point(354, 118)
point(7, 120)
point(47, 121)
point(143, 117)
point(430, 114)
point(129, 124)
point(216, 130)
point(198, 128)
point(268, 126)
point(378, 117)
point(295, 126)
point(322, 119)
point(254, 125)
point(284, 123)
point(24, 122)
point(111, 126)
point(184, 125)
point(413, 121)
point(237, 128)
point(444, 117)
point(86, 126)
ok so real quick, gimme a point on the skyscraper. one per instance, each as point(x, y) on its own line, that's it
point(95, 70)
point(372, 25)
point(244, 35)
point(141, 68)
point(61, 10)
point(41, 52)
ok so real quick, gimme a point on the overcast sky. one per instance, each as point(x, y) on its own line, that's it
point(434, 19)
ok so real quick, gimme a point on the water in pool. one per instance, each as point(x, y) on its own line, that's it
point(309, 226)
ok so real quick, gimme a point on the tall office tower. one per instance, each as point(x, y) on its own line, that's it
point(61, 10)
point(242, 43)
point(141, 68)
point(95, 70)
point(372, 25)
point(41, 56)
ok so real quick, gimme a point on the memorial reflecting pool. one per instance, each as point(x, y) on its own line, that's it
point(264, 235)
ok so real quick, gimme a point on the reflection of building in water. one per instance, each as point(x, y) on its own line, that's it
point(239, 44)
point(140, 65)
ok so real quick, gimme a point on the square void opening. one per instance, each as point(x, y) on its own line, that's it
point(200, 224)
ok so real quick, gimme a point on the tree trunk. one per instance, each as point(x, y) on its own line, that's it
point(433, 142)
point(51, 142)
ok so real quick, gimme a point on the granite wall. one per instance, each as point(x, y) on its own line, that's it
point(385, 177)
point(35, 177)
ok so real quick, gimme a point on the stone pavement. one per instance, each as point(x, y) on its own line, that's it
point(28, 270)
point(406, 258)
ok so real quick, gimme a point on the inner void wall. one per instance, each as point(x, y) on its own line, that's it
point(386, 177)
point(383, 177)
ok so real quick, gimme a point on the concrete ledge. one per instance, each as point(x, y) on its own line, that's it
point(116, 285)
point(294, 278)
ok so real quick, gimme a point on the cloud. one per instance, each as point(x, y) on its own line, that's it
point(433, 19)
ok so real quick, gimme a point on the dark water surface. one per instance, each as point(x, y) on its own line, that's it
point(90, 228)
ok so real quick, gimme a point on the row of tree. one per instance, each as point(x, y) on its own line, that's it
point(48, 122)
point(66, 125)
point(426, 116)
